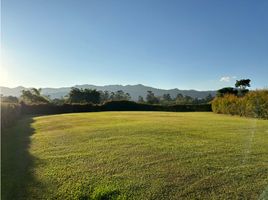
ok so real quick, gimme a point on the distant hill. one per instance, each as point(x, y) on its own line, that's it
point(134, 90)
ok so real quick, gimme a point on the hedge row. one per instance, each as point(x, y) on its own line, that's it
point(253, 104)
point(10, 112)
point(109, 106)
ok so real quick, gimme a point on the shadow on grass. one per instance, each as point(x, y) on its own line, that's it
point(17, 164)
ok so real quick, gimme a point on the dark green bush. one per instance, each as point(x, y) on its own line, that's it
point(10, 112)
point(253, 104)
point(109, 106)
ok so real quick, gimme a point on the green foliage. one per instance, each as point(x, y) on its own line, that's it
point(167, 97)
point(240, 89)
point(119, 96)
point(58, 101)
point(77, 95)
point(33, 96)
point(135, 155)
point(151, 98)
point(140, 99)
point(208, 98)
point(105, 96)
point(184, 100)
point(227, 90)
point(84, 96)
point(110, 106)
point(9, 99)
point(243, 83)
point(253, 104)
point(10, 112)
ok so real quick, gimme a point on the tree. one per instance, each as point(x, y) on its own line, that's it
point(150, 98)
point(127, 96)
point(140, 99)
point(179, 99)
point(240, 89)
point(91, 96)
point(167, 97)
point(9, 99)
point(112, 96)
point(208, 98)
point(227, 90)
point(105, 96)
point(58, 101)
point(120, 95)
point(242, 85)
point(83, 96)
point(33, 95)
point(75, 95)
point(188, 99)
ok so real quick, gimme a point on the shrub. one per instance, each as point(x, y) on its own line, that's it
point(109, 106)
point(253, 104)
point(11, 111)
point(256, 104)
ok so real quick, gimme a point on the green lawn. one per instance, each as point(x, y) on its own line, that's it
point(135, 155)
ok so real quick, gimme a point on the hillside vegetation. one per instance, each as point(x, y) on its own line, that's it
point(135, 155)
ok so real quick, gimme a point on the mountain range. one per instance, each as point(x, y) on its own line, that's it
point(134, 90)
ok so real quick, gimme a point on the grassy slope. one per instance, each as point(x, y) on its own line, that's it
point(135, 155)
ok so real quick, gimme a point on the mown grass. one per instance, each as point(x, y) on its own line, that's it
point(135, 155)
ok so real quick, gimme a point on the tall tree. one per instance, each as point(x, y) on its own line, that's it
point(167, 97)
point(208, 98)
point(77, 95)
point(105, 96)
point(120, 95)
point(33, 95)
point(140, 99)
point(179, 99)
point(242, 86)
point(151, 98)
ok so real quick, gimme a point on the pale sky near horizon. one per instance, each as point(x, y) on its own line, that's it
point(185, 44)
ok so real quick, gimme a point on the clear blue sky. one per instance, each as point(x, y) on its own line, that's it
point(186, 44)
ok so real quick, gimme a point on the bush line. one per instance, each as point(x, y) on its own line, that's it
point(11, 111)
point(109, 106)
point(253, 104)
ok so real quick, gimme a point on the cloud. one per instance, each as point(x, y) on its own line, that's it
point(225, 79)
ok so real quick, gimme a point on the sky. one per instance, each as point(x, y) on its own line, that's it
point(185, 44)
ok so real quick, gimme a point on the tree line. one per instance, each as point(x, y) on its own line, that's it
point(180, 99)
point(84, 96)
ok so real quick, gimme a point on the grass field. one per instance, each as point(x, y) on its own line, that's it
point(135, 155)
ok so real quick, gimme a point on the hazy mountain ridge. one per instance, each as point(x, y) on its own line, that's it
point(134, 90)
